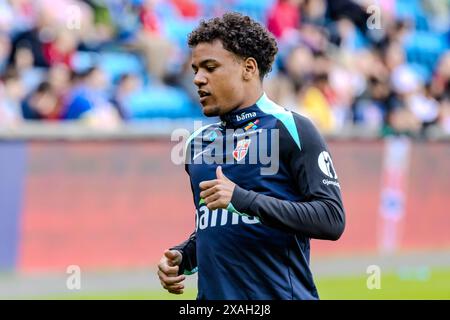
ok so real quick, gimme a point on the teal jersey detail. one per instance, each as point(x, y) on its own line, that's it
point(269, 107)
point(188, 273)
point(232, 209)
point(196, 133)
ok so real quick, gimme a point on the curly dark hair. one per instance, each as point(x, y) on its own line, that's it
point(240, 35)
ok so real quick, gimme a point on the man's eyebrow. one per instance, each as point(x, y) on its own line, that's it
point(204, 62)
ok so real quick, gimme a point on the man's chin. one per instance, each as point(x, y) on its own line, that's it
point(211, 111)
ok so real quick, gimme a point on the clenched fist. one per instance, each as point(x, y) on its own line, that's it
point(168, 271)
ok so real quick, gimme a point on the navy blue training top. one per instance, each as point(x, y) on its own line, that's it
point(287, 193)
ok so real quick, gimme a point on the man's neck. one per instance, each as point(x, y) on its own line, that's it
point(251, 98)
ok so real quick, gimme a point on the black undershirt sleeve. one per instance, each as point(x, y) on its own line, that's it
point(321, 214)
point(188, 249)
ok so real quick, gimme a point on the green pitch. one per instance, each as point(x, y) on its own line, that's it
point(432, 284)
point(425, 284)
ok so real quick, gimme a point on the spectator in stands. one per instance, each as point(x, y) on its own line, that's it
point(59, 79)
point(315, 104)
point(88, 100)
point(439, 13)
point(101, 27)
point(42, 104)
point(127, 85)
point(349, 9)
point(11, 93)
point(284, 18)
point(54, 36)
point(31, 39)
point(152, 42)
point(23, 62)
point(188, 9)
point(441, 77)
point(444, 112)
point(5, 47)
point(297, 71)
point(17, 15)
point(327, 61)
point(61, 49)
point(314, 37)
point(314, 12)
point(406, 85)
point(440, 88)
point(370, 108)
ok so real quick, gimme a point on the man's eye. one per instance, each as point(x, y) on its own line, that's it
point(210, 68)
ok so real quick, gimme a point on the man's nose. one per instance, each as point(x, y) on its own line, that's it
point(200, 79)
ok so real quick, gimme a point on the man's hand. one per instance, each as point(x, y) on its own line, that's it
point(168, 271)
point(217, 193)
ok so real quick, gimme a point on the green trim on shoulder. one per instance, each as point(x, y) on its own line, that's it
point(286, 117)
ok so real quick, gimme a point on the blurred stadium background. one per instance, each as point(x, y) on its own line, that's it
point(90, 92)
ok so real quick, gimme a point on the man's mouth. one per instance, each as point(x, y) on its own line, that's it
point(203, 95)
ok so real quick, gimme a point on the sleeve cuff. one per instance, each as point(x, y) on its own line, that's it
point(242, 199)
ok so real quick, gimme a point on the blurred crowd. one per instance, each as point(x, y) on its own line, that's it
point(383, 65)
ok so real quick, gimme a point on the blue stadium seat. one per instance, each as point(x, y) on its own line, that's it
point(209, 8)
point(159, 102)
point(117, 63)
point(178, 30)
point(83, 60)
point(407, 8)
point(424, 48)
point(113, 63)
point(258, 10)
point(422, 71)
point(412, 10)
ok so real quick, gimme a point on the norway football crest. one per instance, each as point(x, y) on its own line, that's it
point(241, 149)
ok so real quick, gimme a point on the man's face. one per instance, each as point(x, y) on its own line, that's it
point(219, 78)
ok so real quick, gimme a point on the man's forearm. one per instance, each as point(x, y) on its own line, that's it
point(319, 219)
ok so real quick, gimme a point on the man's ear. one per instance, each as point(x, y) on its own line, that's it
point(250, 69)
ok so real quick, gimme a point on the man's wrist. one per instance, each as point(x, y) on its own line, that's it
point(242, 199)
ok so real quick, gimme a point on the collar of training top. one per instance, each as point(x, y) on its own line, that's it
point(241, 117)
